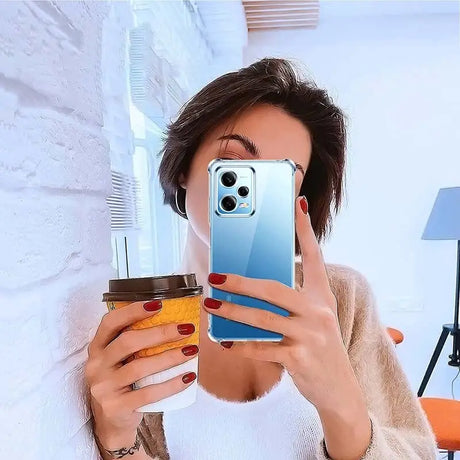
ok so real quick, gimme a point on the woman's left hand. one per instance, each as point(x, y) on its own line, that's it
point(312, 349)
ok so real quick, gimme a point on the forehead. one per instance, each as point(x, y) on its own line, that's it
point(276, 133)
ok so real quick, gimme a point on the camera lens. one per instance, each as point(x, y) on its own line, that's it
point(228, 203)
point(243, 191)
point(228, 178)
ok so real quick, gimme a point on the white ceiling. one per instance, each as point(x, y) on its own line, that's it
point(226, 24)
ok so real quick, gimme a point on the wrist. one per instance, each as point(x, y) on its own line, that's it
point(115, 439)
point(347, 430)
point(345, 406)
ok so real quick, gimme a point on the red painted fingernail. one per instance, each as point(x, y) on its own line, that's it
point(226, 344)
point(186, 329)
point(190, 377)
point(190, 350)
point(304, 204)
point(216, 278)
point(154, 305)
point(212, 303)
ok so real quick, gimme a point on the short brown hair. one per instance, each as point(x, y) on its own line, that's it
point(273, 81)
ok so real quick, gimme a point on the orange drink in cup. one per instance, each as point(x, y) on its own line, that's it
point(181, 299)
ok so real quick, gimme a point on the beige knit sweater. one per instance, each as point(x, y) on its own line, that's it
point(400, 429)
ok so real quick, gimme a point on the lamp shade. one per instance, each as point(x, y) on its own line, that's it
point(444, 220)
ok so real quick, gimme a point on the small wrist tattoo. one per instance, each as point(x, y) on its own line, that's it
point(124, 451)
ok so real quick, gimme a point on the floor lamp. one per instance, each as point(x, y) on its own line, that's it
point(444, 224)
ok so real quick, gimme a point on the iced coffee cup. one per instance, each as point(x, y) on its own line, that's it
point(181, 298)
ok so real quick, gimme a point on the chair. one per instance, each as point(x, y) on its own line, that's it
point(396, 335)
point(444, 417)
point(442, 413)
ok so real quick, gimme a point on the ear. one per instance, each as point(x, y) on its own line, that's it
point(182, 181)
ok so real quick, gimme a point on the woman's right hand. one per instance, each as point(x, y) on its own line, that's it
point(113, 402)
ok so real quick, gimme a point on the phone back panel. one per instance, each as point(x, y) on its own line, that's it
point(259, 244)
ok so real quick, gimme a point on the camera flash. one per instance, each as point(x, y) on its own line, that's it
point(243, 205)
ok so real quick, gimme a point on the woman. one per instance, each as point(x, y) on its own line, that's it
point(332, 388)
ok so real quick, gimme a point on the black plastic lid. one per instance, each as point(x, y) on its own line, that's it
point(152, 287)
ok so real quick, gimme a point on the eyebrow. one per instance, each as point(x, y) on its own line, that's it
point(250, 146)
point(247, 143)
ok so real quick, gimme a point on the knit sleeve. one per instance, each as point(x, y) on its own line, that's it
point(152, 436)
point(400, 428)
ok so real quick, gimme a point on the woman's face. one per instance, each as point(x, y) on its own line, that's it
point(276, 135)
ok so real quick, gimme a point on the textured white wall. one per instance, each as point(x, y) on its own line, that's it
point(397, 78)
point(55, 224)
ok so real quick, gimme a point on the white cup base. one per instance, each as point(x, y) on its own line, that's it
point(179, 400)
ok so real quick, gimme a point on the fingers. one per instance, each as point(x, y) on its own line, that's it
point(114, 321)
point(119, 406)
point(313, 266)
point(272, 291)
point(131, 341)
point(142, 367)
point(250, 315)
point(153, 393)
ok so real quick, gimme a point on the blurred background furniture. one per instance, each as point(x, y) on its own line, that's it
point(444, 417)
point(395, 334)
point(443, 414)
point(444, 224)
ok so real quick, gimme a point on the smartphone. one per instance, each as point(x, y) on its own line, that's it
point(252, 233)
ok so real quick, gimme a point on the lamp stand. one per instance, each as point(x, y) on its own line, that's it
point(447, 329)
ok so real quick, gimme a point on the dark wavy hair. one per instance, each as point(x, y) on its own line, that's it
point(273, 81)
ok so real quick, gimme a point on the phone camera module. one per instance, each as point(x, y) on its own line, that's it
point(228, 179)
point(243, 191)
point(228, 203)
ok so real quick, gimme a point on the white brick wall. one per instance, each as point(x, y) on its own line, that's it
point(55, 225)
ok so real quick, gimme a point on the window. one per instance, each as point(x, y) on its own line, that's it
point(148, 238)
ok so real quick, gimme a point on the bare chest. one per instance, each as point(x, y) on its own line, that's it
point(235, 379)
